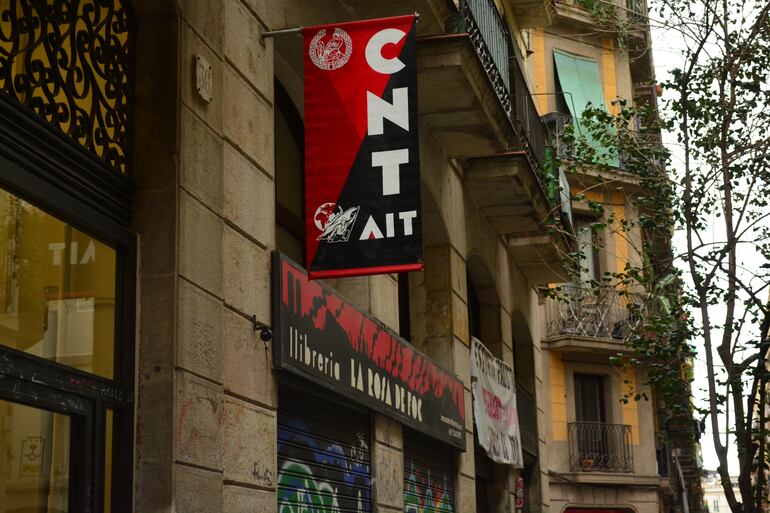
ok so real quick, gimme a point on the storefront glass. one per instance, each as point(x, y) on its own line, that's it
point(57, 289)
point(34, 460)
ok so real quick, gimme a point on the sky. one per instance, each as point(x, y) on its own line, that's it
point(667, 55)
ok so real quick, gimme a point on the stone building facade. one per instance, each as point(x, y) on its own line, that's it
point(140, 219)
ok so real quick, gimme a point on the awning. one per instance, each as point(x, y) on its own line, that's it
point(579, 78)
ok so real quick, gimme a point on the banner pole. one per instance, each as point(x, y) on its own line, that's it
point(281, 32)
point(297, 30)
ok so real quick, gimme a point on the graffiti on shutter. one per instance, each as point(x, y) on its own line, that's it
point(324, 463)
point(428, 476)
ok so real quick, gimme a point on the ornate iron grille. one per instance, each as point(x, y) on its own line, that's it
point(491, 39)
point(68, 61)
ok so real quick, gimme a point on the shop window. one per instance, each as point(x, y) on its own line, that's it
point(289, 178)
point(35, 446)
point(58, 296)
point(66, 389)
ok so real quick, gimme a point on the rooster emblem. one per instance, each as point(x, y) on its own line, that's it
point(330, 52)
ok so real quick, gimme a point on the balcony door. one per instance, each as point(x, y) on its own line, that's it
point(589, 398)
point(591, 415)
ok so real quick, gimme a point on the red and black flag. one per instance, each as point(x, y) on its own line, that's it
point(362, 172)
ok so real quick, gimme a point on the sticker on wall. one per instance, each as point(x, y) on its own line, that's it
point(362, 173)
point(32, 450)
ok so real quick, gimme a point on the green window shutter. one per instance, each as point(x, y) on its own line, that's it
point(580, 81)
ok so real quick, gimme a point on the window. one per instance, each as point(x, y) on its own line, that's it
point(58, 298)
point(578, 79)
point(66, 313)
point(36, 448)
point(587, 245)
point(589, 398)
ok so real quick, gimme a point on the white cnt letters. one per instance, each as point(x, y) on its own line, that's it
point(374, 51)
point(378, 109)
point(407, 217)
point(390, 161)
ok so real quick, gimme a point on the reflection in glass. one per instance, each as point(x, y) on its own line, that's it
point(34, 460)
point(57, 289)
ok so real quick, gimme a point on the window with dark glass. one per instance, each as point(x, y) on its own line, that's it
point(589, 398)
point(67, 376)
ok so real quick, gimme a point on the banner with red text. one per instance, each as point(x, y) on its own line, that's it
point(494, 406)
point(362, 172)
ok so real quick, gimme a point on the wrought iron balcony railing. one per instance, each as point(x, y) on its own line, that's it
point(495, 49)
point(532, 133)
point(588, 311)
point(527, 410)
point(600, 447)
point(492, 42)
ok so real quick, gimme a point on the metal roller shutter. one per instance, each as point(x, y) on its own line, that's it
point(323, 456)
point(428, 475)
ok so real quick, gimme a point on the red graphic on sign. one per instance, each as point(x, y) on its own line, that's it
point(367, 337)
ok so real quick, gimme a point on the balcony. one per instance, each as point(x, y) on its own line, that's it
point(600, 447)
point(527, 410)
point(626, 18)
point(591, 319)
point(475, 100)
point(530, 13)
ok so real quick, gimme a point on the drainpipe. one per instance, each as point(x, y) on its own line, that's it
point(685, 505)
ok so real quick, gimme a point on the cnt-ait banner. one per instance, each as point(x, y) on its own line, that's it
point(362, 171)
point(494, 406)
point(323, 338)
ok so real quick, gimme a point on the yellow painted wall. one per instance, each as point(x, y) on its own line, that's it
point(608, 73)
point(630, 409)
point(538, 70)
point(558, 398)
point(621, 239)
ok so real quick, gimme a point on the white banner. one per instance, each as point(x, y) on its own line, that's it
point(494, 406)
